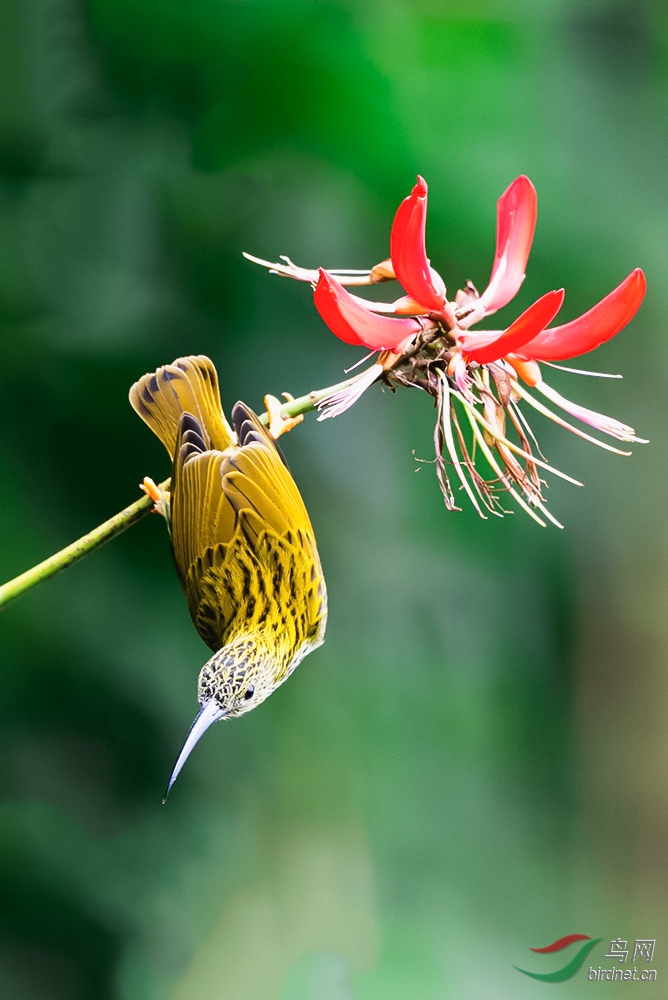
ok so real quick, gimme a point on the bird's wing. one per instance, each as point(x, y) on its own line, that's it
point(189, 385)
point(243, 542)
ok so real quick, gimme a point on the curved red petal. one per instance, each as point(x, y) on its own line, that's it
point(408, 253)
point(516, 213)
point(602, 322)
point(532, 321)
point(354, 323)
point(325, 297)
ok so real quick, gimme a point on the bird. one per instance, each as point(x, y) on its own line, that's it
point(242, 542)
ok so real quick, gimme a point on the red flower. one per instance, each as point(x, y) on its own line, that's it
point(477, 370)
point(516, 212)
point(601, 323)
point(483, 349)
point(559, 343)
point(351, 319)
point(409, 256)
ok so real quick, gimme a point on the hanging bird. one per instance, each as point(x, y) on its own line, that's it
point(242, 541)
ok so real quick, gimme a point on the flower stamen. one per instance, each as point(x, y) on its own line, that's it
point(444, 406)
point(537, 405)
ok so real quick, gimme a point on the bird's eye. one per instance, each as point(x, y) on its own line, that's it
point(250, 691)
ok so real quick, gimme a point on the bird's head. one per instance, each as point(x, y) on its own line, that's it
point(235, 680)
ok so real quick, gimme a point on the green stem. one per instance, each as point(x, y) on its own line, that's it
point(126, 518)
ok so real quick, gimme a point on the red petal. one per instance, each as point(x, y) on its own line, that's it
point(601, 323)
point(354, 323)
point(516, 212)
point(532, 321)
point(408, 253)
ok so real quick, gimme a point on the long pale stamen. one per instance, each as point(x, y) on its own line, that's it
point(209, 713)
point(603, 423)
point(334, 406)
point(537, 405)
point(450, 444)
point(509, 444)
point(336, 270)
point(290, 270)
point(360, 362)
point(525, 423)
point(580, 371)
point(495, 468)
point(521, 433)
point(481, 487)
point(546, 513)
point(490, 458)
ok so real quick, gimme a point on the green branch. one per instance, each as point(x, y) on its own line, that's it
point(126, 518)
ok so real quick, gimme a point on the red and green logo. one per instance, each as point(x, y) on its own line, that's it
point(568, 970)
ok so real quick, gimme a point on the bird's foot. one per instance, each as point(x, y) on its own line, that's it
point(161, 498)
point(278, 424)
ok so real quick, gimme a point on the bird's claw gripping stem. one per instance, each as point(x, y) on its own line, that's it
point(277, 423)
point(161, 498)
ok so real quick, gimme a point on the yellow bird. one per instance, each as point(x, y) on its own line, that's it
point(243, 544)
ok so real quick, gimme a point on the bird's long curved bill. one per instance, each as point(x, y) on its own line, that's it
point(209, 713)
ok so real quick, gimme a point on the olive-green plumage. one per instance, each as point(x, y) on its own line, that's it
point(242, 540)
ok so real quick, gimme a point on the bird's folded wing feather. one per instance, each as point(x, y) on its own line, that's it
point(189, 385)
point(243, 543)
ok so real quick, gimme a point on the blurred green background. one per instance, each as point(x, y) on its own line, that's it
point(475, 762)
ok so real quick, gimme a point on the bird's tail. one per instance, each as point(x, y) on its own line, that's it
point(189, 385)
